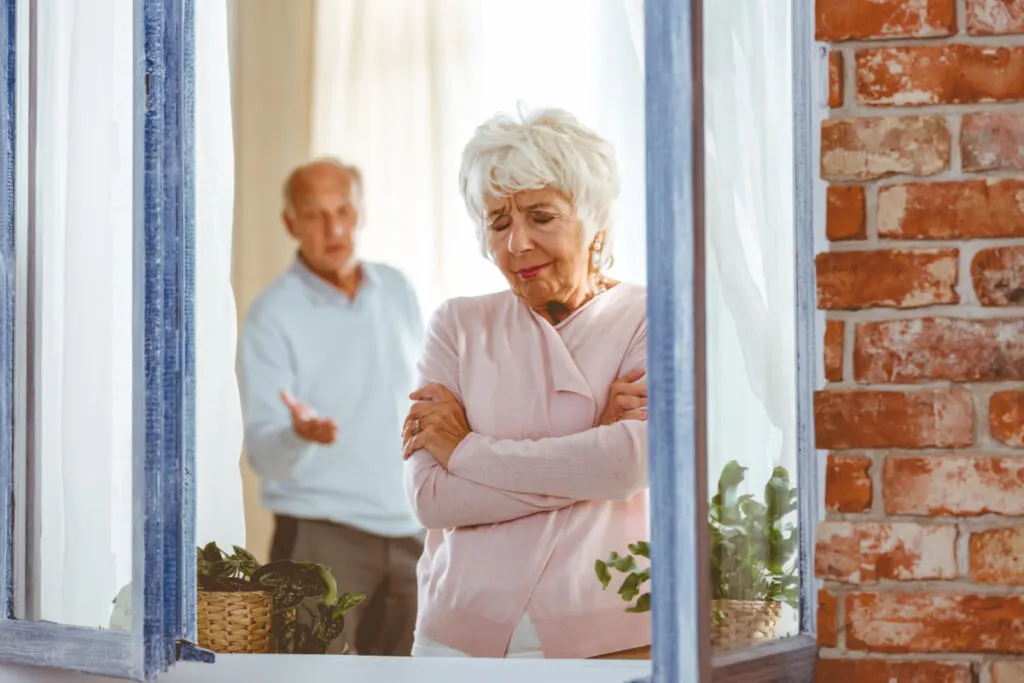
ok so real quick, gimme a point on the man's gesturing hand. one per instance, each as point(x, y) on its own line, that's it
point(307, 424)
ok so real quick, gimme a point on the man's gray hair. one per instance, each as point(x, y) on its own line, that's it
point(545, 148)
point(353, 172)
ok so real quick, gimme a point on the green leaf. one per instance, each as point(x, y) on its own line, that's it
point(643, 604)
point(246, 561)
point(329, 624)
point(630, 587)
point(348, 601)
point(641, 549)
point(211, 553)
point(621, 563)
point(287, 596)
point(603, 575)
point(752, 508)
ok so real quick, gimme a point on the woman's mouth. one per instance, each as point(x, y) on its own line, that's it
point(530, 273)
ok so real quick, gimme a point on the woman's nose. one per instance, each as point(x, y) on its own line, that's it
point(519, 239)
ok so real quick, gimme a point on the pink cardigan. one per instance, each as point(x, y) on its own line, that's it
point(537, 492)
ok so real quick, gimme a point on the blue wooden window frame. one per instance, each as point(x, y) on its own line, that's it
point(164, 361)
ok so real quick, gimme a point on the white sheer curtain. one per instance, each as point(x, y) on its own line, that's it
point(400, 86)
point(220, 511)
point(750, 241)
point(84, 292)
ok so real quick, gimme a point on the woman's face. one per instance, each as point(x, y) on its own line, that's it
point(536, 240)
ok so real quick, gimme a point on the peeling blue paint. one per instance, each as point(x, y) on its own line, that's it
point(8, 66)
point(168, 332)
point(163, 362)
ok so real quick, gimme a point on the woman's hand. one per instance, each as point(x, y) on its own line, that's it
point(436, 423)
point(627, 399)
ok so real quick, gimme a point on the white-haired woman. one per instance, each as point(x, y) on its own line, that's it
point(526, 446)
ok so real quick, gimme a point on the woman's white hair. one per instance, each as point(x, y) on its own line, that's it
point(548, 148)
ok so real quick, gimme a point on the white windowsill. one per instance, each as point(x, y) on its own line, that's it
point(278, 668)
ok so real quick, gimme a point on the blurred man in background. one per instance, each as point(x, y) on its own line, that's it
point(328, 354)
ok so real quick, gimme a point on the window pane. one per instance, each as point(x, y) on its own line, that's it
point(750, 327)
point(79, 419)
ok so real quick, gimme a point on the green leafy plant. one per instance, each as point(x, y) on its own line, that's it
point(292, 585)
point(753, 545)
point(636, 576)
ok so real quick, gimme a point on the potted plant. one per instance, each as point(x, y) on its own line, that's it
point(246, 607)
point(753, 548)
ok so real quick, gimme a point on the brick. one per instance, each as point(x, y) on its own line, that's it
point(868, 19)
point(848, 484)
point(835, 79)
point(964, 485)
point(998, 276)
point(828, 619)
point(834, 330)
point(939, 74)
point(868, 552)
point(923, 349)
point(874, 147)
point(934, 418)
point(919, 622)
point(897, 278)
point(997, 556)
point(992, 142)
point(1006, 417)
point(1006, 672)
point(988, 17)
point(845, 216)
point(952, 210)
point(882, 671)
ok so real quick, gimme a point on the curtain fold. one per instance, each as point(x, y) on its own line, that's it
point(220, 513)
point(635, 19)
point(750, 241)
point(84, 237)
point(393, 91)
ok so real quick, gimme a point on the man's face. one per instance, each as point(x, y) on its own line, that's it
point(323, 217)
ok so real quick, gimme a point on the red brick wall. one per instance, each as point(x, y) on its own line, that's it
point(922, 552)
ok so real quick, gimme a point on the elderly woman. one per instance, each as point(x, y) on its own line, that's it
point(526, 446)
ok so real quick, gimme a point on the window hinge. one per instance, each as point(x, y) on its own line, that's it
point(190, 652)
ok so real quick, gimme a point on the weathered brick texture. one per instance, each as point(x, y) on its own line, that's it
point(870, 19)
point(933, 418)
point(988, 17)
point(848, 484)
point(957, 210)
point(896, 278)
point(922, 414)
point(876, 147)
point(845, 218)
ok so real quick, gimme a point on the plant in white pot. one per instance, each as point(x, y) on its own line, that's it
point(753, 558)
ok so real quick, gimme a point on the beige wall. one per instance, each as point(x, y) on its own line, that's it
point(271, 87)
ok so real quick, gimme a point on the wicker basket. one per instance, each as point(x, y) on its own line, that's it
point(235, 623)
point(744, 622)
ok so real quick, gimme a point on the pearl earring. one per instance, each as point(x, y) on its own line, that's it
point(595, 259)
